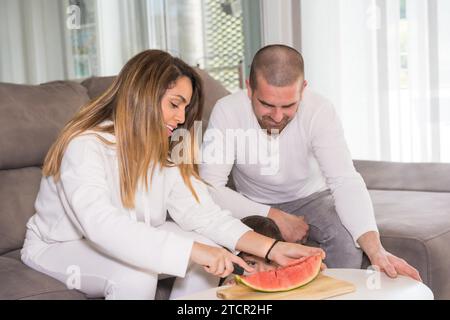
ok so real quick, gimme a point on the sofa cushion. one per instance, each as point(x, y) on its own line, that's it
point(162, 291)
point(404, 176)
point(31, 118)
point(15, 254)
point(95, 86)
point(416, 227)
point(18, 191)
point(214, 90)
point(21, 282)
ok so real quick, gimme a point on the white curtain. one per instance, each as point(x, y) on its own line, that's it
point(36, 45)
point(388, 75)
point(178, 27)
point(122, 33)
point(30, 41)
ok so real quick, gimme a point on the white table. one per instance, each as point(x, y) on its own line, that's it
point(370, 285)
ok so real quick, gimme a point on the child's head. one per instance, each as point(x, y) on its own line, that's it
point(268, 228)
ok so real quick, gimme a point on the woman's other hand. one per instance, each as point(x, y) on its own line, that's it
point(285, 253)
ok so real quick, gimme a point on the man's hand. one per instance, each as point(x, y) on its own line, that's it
point(387, 262)
point(293, 228)
point(393, 265)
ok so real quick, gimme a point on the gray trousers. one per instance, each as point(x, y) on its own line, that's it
point(325, 229)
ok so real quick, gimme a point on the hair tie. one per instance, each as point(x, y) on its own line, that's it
point(270, 249)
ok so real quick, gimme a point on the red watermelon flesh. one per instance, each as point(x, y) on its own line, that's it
point(286, 278)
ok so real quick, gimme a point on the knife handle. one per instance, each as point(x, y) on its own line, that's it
point(238, 270)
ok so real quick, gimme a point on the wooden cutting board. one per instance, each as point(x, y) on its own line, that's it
point(320, 288)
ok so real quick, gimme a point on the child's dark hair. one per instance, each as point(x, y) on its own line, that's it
point(263, 225)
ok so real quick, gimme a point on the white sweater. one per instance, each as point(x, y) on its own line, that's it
point(86, 203)
point(313, 156)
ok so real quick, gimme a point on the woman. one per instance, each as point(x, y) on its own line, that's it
point(108, 180)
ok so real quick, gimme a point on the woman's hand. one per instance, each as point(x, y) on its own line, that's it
point(285, 253)
point(215, 260)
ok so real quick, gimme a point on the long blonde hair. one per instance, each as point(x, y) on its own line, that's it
point(133, 104)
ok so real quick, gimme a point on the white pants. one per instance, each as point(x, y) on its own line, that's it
point(80, 266)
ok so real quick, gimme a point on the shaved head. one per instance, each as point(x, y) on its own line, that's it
point(278, 64)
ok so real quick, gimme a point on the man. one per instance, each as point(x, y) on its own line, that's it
point(315, 194)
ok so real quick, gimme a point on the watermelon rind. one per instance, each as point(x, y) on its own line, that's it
point(316, 260)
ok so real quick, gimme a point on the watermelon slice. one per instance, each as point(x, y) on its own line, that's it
point(286, 278)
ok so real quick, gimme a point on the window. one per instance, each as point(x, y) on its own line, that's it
point(224, 42)
point(209, 34)
point(82, 41)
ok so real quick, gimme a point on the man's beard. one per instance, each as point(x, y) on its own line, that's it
point(268, 124)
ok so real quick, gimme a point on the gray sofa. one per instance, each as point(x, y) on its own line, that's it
point(412, 201)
